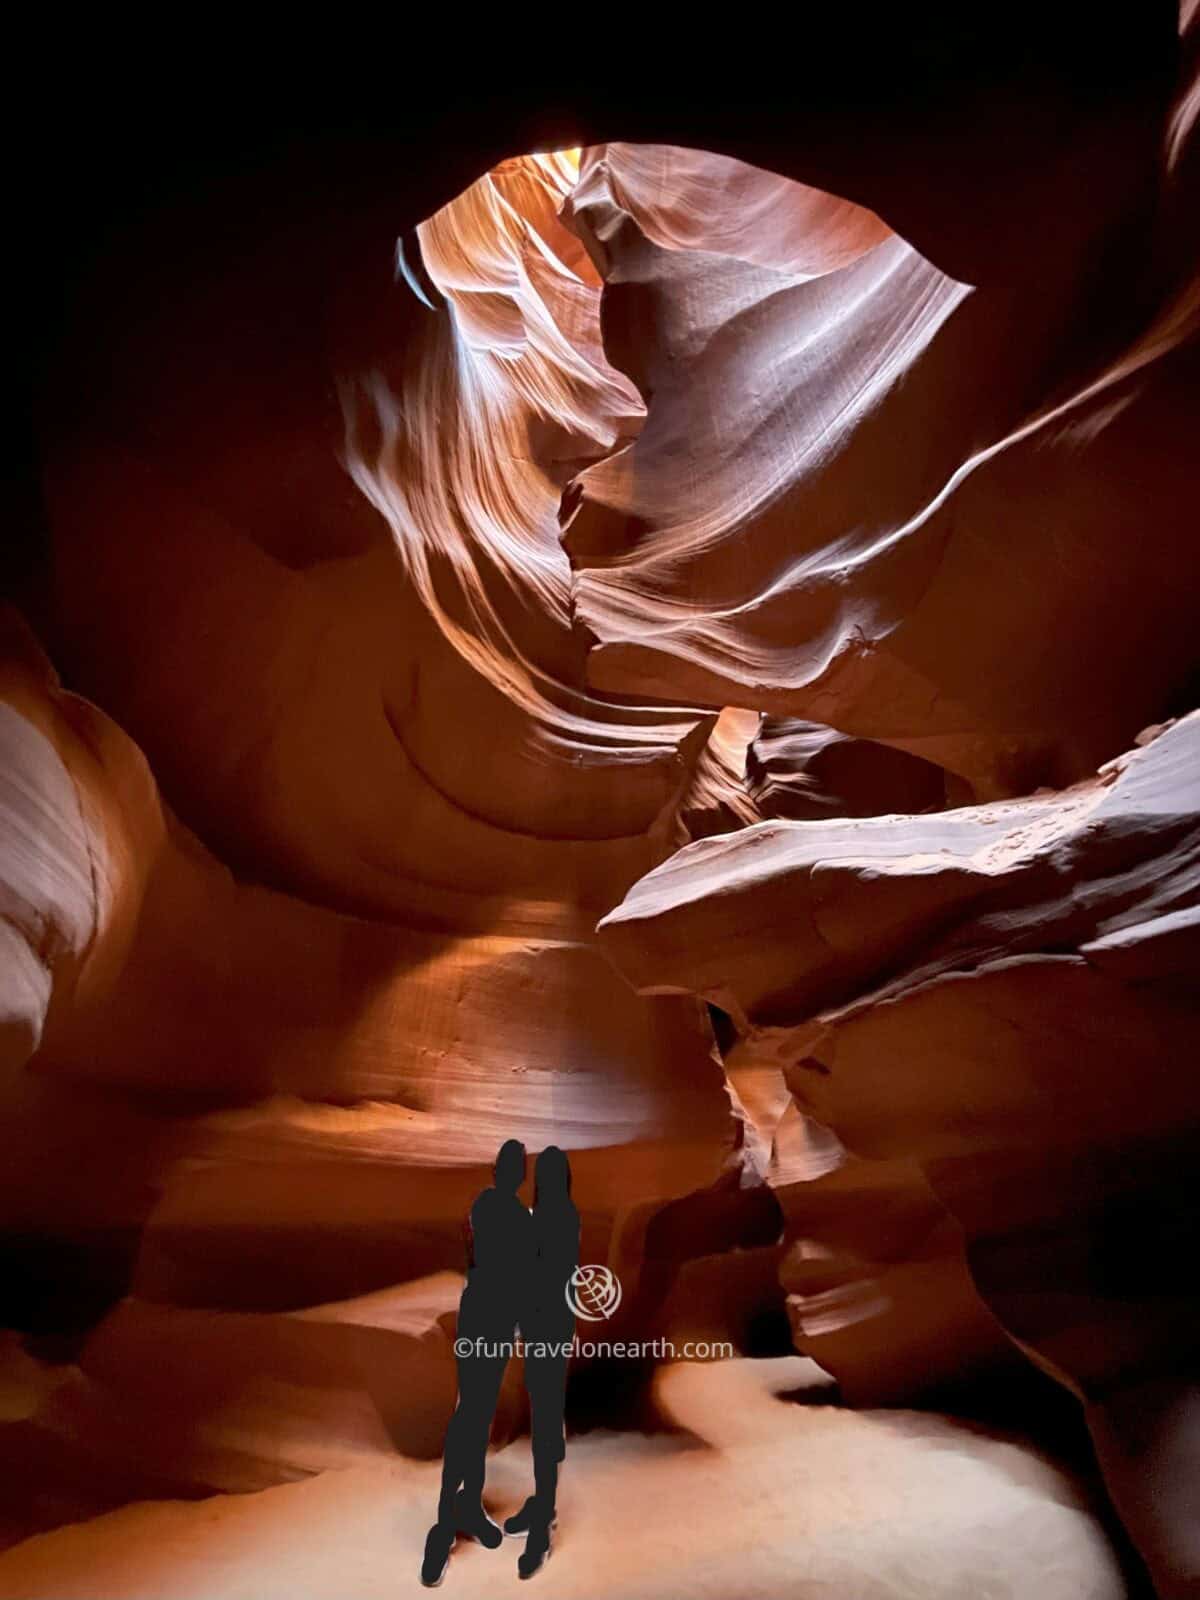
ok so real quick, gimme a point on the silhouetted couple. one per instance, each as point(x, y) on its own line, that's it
point(518, 1268)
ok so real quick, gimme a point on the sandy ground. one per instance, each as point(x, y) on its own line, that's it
point(761, 1496)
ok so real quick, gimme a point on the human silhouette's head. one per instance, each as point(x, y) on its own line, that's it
point(551, 1175)
point(509, 1171)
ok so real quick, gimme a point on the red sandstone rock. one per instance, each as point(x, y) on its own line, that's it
point(932, 487)
point(805, 772)
point(788, 533)
point(1023, 1044)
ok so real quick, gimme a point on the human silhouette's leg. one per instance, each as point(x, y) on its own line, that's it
point(547, 1453)
point(463, 1460)
point(453, 1452)
point(545, 1486)
point(440, 1538)
point(481, 1408)
point(461, 1432)
point(546, 1378)
point(547, 1395)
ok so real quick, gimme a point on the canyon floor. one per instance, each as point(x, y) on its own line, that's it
point(762, 1490)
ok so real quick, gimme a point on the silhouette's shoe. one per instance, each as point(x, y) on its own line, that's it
point(537, 1548)
point(474, 1521)
point(438, 1541)
point(521, 1521)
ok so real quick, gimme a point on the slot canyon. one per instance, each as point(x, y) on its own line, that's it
point(652, 609)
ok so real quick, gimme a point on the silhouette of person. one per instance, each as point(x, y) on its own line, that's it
point(499, 1262)
point(547, 1326)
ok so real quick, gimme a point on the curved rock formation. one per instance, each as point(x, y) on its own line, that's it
point(981, 1015)
point(1003, 999)
point(803, 771)
point(859, 568)
point(313, 1077)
